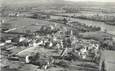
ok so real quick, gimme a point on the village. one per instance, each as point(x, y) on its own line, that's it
point(34, 39)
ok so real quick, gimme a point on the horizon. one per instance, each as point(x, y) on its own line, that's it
point(91, 0)
point(29, 2)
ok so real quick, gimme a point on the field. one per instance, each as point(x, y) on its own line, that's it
point(44, 26)
point(96, 35)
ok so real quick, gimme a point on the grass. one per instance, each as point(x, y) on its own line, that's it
point(95, 35)
point(28, 24)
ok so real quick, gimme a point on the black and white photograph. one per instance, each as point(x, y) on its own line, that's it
point(57, 35)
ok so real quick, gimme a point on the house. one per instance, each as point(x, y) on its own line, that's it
point(8, 41)
point(21, 39)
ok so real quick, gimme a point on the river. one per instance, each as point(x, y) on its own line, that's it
point(109, 28)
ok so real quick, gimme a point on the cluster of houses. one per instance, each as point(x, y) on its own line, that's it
point(51, 37)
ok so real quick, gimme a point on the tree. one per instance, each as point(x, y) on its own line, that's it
point(65, 21)
point(6, 26)
point(28, 31)
point(35, 16)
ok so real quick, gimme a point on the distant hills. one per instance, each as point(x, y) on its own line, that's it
point(31, 1)
point(56, 2)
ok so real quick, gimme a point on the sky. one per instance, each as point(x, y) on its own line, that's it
point(29, 1)
point(93, 0)
point(47, 1)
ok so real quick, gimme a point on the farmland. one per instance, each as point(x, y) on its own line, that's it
point(55, 37)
